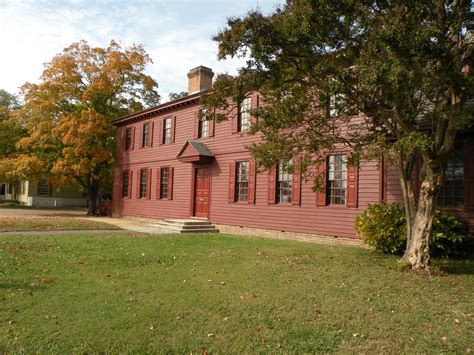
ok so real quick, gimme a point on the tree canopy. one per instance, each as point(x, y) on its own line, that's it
point(68, 114)
point(175, 96)
point(375, 77)
point(11, 131)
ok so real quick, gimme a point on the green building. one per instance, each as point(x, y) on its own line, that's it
point(42, 194)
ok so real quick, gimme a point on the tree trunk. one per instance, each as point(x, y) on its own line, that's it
point(92, 195)
point(419, 211)
point(417, 252)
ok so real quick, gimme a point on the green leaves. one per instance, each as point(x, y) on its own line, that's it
point(383, 226)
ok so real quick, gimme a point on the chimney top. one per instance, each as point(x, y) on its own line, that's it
point(199, 79)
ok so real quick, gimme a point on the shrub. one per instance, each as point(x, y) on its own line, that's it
point(447, 235)
point(383, 226)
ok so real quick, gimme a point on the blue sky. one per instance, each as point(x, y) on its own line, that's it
point(176, 34)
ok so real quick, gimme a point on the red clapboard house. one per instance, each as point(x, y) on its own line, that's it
point(171, 165)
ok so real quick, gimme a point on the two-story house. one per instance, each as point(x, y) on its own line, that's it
point(169, 164)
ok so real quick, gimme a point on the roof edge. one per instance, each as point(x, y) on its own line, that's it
point(160, 108)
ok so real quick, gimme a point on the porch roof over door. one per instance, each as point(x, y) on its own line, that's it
point(194, 152)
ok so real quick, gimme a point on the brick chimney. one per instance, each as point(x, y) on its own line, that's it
point(199, 79)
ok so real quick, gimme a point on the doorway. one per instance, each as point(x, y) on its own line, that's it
point(201, 193)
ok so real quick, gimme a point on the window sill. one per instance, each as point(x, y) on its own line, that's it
point(454, 208)
point(241, 133)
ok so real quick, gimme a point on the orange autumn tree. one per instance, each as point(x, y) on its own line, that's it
point(69, 113)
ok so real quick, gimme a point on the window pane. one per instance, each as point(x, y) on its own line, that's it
point(167, 131)
point(125, 184)
point(241, 181)
point(128, 138)
point(452, 191)
point(43, 187)
point(143, 182)
point(145, 135)
point(244, 114)
point(203, 129)
point(284, 182)
point(164, 183)
point(337, 183)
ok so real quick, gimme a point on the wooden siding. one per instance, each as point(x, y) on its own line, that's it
point(227, 147)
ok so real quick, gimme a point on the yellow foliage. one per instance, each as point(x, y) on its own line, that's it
point(69, 113)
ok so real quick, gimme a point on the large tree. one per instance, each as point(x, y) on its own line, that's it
point(69, 113)
point(371, 76)
point(11, 131)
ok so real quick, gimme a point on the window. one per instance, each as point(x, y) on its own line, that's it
point(167, 131)
point(143, 181)
point(23, 187)
point(128, 138)
point(2, 189)
point(145, 135)
point(43, 188)
point(125, 181)
point(164, 183)
point(284, 182)
point(452, 191)
point(337, 179)
point(244, 115)
point(242, 181)
point(203, 129)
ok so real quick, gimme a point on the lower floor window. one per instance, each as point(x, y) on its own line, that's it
point(143, 181)
point(44, 188)
point(284, 182)
point(452, 191)
point(164, 183)
point(125, 181)
point(242, 181)
point(337, 179)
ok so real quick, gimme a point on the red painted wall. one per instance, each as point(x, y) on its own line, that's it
point(228, 147)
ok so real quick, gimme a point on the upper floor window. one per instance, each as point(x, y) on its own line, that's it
point(128, 138)
point(143, 182)
point(242, 181)
point(167, 123)
point(337, 179)
point(125, 181)
point(44, 188)
point(164, 183)
point(244, 114)
point(146, 135)
point(203, 129)
point(284, 183)
point(452, 191)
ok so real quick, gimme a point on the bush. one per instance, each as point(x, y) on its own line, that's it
point(383, 226)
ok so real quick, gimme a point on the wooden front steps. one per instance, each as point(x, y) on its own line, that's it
point(186, 226)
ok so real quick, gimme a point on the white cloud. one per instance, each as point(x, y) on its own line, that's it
point(177, 35)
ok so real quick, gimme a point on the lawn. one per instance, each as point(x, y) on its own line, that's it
point(46, 223)
point(219, 293)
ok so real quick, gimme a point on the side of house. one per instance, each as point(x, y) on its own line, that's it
point(171, 165)
point(42, 194)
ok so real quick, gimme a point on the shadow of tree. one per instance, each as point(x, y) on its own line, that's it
point(463, 266)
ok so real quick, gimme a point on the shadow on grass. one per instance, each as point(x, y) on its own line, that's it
point(459, 266)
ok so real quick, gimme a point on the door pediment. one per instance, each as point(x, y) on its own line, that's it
point(194, 152)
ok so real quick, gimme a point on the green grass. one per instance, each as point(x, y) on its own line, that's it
point(221, 293)
point(48, 223)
